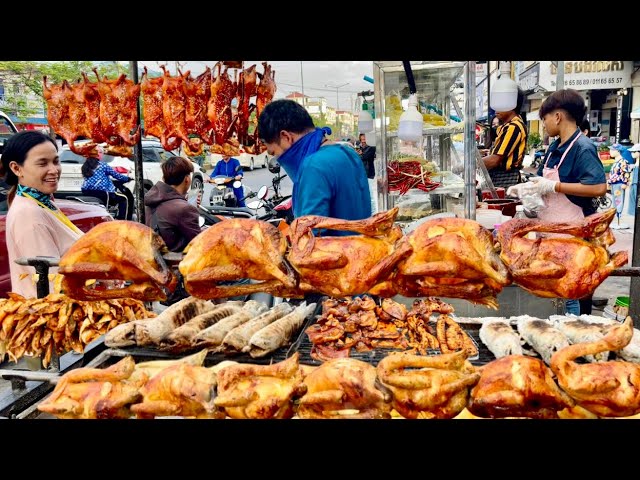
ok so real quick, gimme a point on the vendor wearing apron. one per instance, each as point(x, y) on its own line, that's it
point(571, 175)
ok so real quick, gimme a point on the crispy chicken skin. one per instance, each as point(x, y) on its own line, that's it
point(344, 384)
point(428, 386)
point(608, 389)
point(260, 391)
point(560, 266)
point(517, 386)
point(452, 257)
point(348, 265)
point(95, 393)
point(118, 250)
point(234, 249)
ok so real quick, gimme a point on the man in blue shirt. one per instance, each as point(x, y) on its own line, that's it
point(328, 179)
point(231, 168)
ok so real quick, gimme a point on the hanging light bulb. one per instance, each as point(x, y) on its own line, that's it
point(365, 120)
point(410, 125)
point(504, 94)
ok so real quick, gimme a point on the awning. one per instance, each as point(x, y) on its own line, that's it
point(635, 113)
point(532, 116)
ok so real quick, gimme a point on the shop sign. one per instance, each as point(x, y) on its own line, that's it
point(481, 70)
point(587, 75)
point(529, 80)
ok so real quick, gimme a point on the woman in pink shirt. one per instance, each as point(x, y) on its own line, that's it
point(35, 225)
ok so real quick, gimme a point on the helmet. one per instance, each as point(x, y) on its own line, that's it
point(273, 165)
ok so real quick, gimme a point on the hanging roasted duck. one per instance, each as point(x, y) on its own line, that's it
point(119, 250)
point(223, 90)
point(119, 110)
point(80, 121)
point(452, 257)
point(198, 93)
point(247, 88)
point(174, 103)
point(571, 265)
point(346, 265)
point(232, 250)
point(265, 91)
point(152, 113)
point(58, 98)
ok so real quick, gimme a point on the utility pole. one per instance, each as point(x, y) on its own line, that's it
point(337, 87)
point(302, 84)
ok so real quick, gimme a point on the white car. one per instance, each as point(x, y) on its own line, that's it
point(152, 156)
point(247, 160)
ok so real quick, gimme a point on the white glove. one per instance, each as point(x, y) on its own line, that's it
point(540, 185)
point(517, 190)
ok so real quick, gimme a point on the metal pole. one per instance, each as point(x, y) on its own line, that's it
point(137, 155)
point(470, 148)
point(302, 81)
point(560, 76)
point(634, 292)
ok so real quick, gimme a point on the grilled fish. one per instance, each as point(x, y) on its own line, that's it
point(542, 336)
point(500, 338)
point(278, 333)
point(238, 338)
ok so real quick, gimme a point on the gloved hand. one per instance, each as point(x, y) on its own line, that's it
point(539, 185)
point(518, 190)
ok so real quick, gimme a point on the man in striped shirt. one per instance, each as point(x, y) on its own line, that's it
point(507, 153)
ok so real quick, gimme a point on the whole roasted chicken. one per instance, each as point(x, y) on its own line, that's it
point(572, 265)
point(223, 89)
point(154, 124)
point(428, 386)
point(235, 249)
point(517, 386)
point(95, 392)
point(117, 250)
point(346, 265)
point(197, 93)
point(344, 388)
point(260, 391)
point(608, 389)
point(452, 257)
point(119, 110)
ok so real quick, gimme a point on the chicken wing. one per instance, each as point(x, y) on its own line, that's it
point(118, 250)
point(232, 250)
point(571, 265)
point(260, 391)
point(452, 257)
point(439, 389)
point(608, 389)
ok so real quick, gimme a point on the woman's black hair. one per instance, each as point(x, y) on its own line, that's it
point(89, 166)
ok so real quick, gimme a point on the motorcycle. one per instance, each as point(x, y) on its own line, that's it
point(223, 194)
point(112, 209)
point(216, 213)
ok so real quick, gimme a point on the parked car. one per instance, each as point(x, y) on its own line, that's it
point(7, 128)
point(153, 154)
point(84, 216)
point(247, 160)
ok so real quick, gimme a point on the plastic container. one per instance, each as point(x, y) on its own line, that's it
point(519, 212)
point(410, 124)
point(504, 94)
point(622, 301)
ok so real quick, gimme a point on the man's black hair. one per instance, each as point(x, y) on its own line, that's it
point(568, 100)
point(283, 115)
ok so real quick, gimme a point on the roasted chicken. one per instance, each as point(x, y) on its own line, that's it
point(517, 386)
point(179, 390)
point(452, 257)
point(232, 250)
point(119, 110)
point(223, 89)
point(95, 392)
point(346, 265)
point(117, 250)
point(260, 391)
point(608, 389)
point(197, 92)
point(428, 386)
point(344, 388)
point(571, 265)
point(154, 124)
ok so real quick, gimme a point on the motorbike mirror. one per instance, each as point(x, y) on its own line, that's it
point(263, 192)
point(201, 221)
point(237, 184)
point(255, 205)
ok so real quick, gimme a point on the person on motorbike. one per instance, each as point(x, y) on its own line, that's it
point(230, 168)
point(98, 183)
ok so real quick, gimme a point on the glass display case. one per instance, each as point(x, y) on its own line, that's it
point(431, 175)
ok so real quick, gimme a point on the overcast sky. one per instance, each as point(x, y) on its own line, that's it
point(314, 77)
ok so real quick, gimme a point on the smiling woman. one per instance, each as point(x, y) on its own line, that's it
point(35, 225)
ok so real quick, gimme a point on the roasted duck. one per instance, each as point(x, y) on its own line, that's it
point(260, 391)
point(92, 107)
point(80, 122)
point(266, 88)
point(246, 89)
point(154, 124)
point(428, 386)
point(452, 257)
point(119, 110)
point(174, 105)
point(344, 388)
point(197, 92)
point(517, 386)
point(572, 265)
point(117, 250)
point(223, 89)
point(346, 265)
point(235, 249)
point(59, 99)
point(95, 392)
point(608, 389)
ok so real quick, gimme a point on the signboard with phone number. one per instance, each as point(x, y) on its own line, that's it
point(588, 75)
